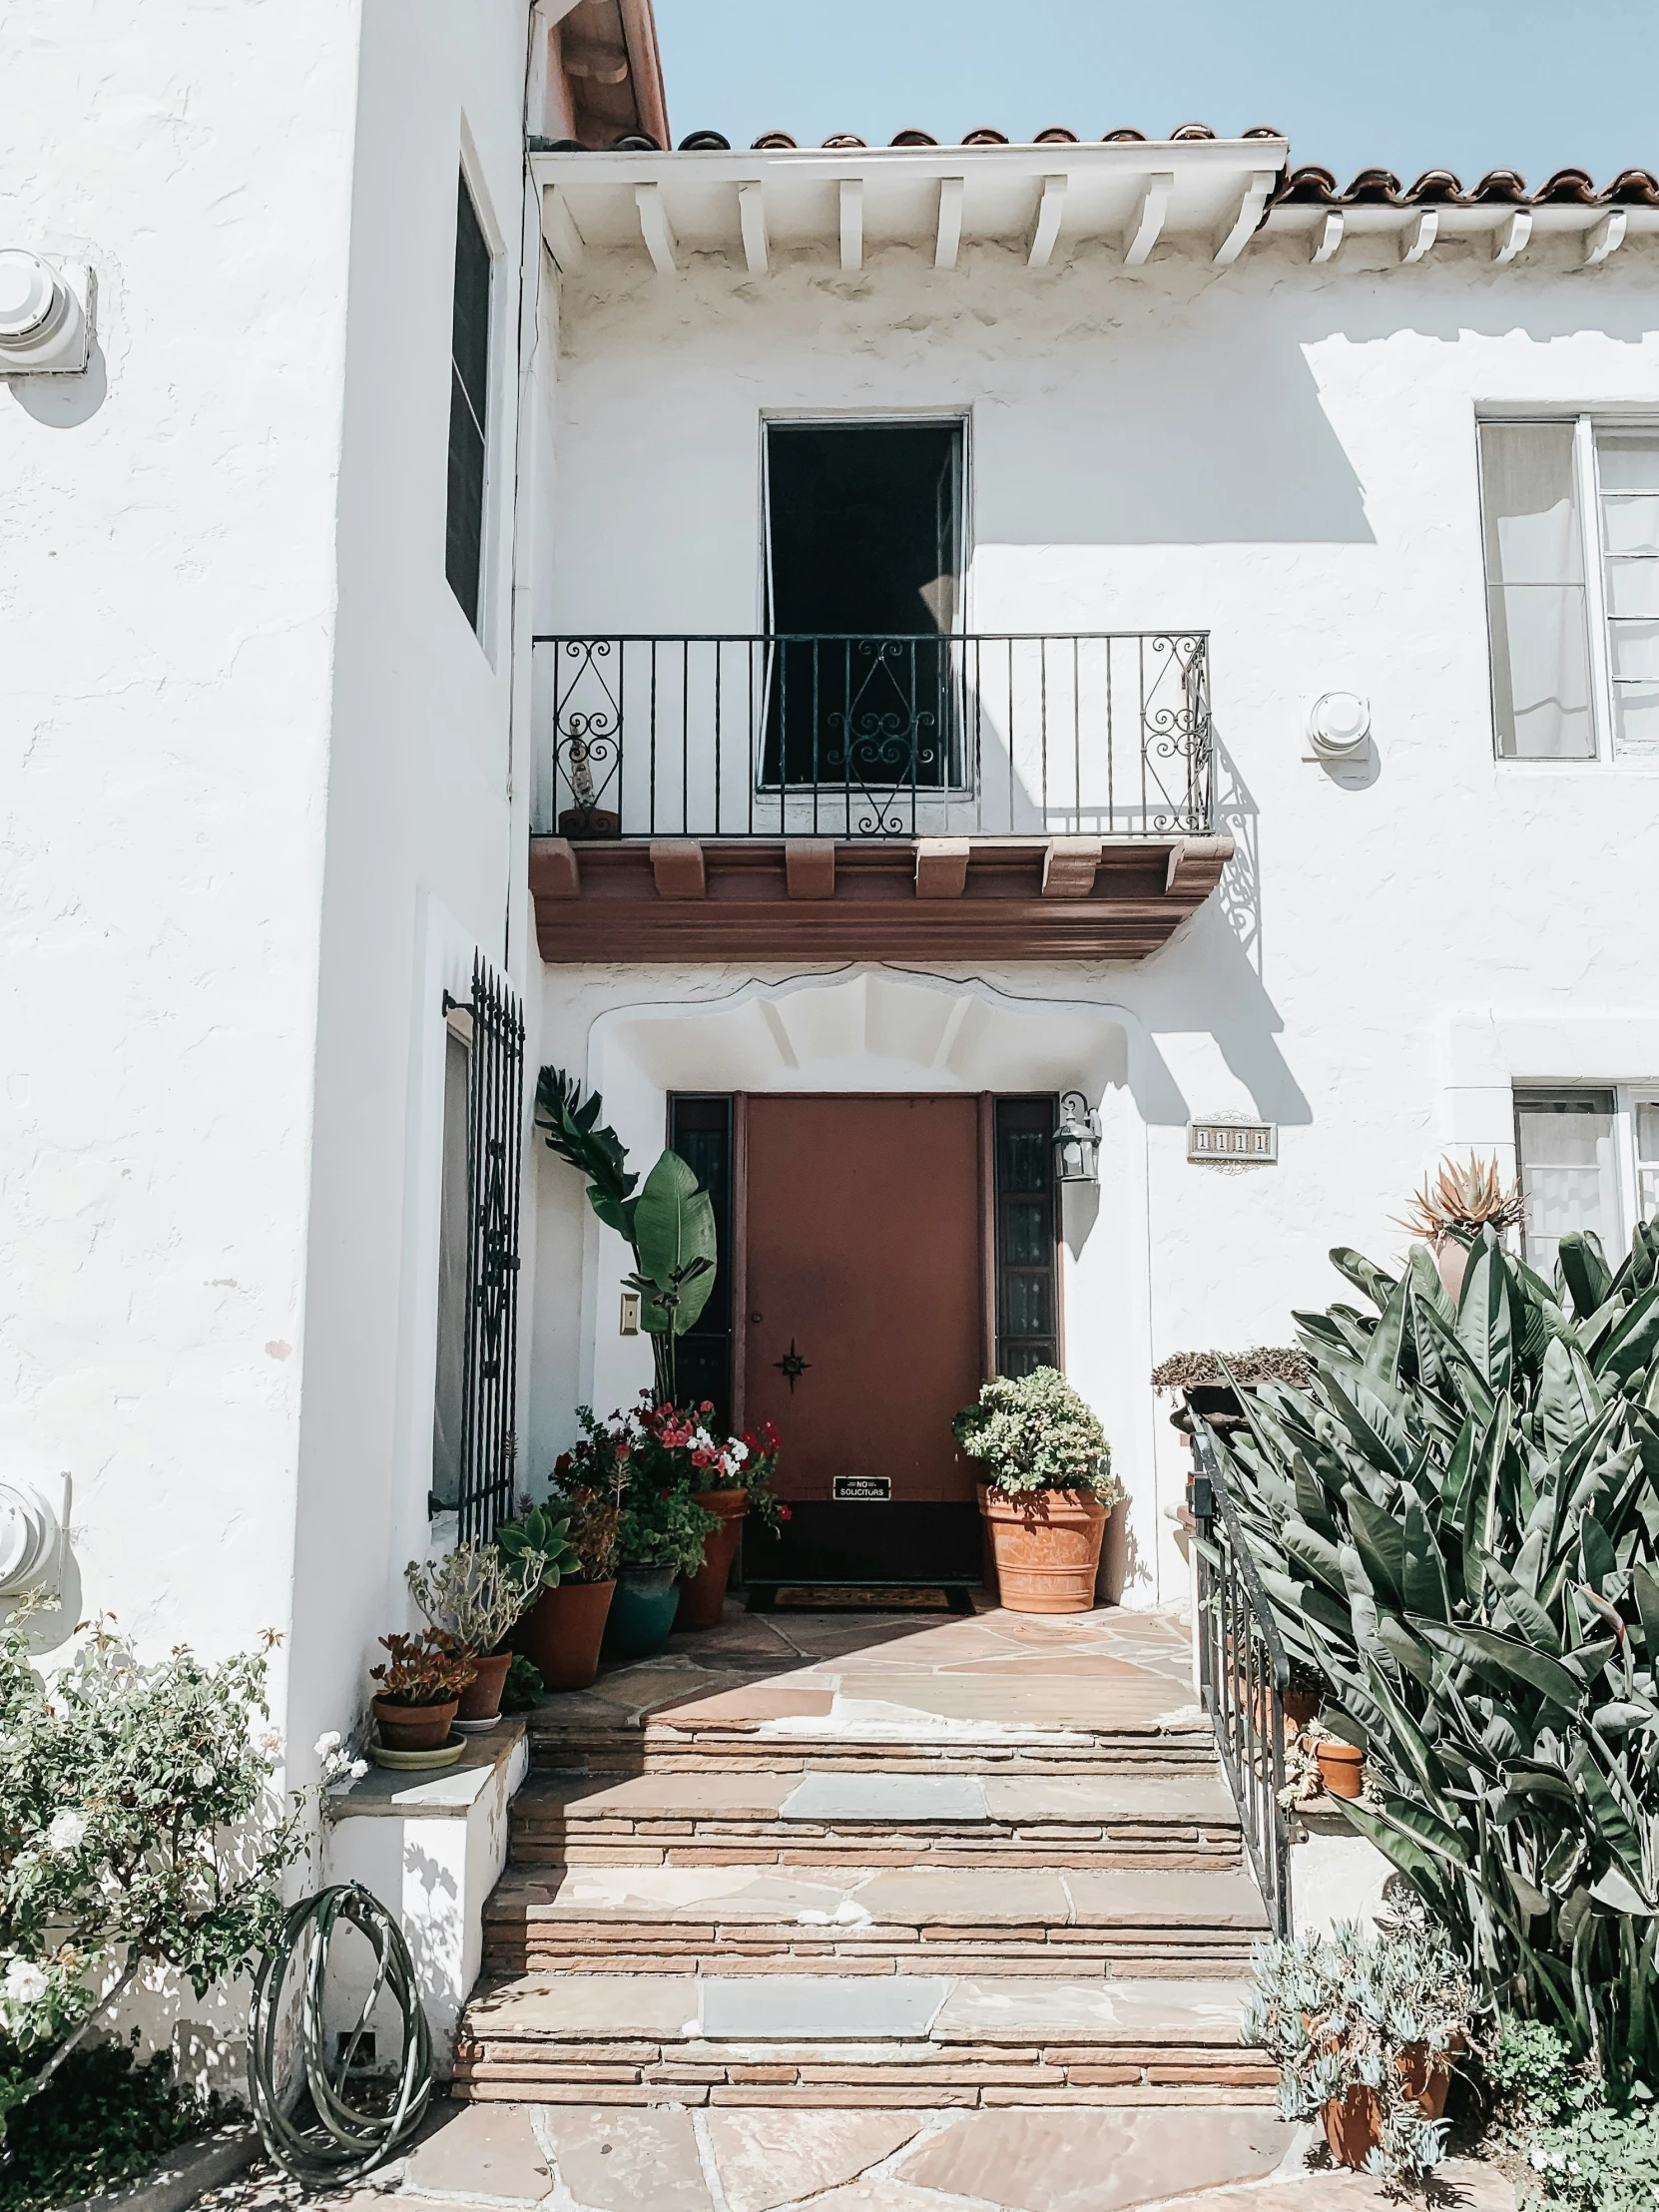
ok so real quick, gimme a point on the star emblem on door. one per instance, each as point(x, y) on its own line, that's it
point(792, 1367)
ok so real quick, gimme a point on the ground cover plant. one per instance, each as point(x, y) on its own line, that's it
point(104, 2119)
point(1457, 1520)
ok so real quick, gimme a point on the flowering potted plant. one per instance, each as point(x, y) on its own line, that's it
point(475, 1594)
point(734, 1480)
point(421, 1680)
point(663, 1534)
point(560, 1632)
point(1048, 1488)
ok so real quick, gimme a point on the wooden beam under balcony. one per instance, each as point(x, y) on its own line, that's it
point(741, 899)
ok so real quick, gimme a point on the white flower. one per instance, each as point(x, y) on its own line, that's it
point(66, 1831)
point(329, 1741)
point(1538, 2158)
point(737, 1453)
point(358, 1769)
point(203, 1778)
point(25, 1984)
point(702, 1441)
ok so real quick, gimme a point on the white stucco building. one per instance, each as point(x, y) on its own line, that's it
point(391, 610)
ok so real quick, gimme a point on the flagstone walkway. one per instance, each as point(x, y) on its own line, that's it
point(581, 2160)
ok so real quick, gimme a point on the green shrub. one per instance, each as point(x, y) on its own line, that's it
point(1529, 2070)
point(1033, 1433)
point(1598, 2162)
point(1458, 1523)
point(101, 2120)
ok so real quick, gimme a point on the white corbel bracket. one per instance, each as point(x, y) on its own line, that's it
point(656, 229)
point(1606, 237)
point(1512, 234)
point(1149, 218)
point(1242, 229)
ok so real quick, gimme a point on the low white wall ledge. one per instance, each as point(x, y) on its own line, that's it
point(432, 1846)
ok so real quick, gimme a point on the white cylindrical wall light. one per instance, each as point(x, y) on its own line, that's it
point(1339, 726)
point(43, 316)
point(31, 1536)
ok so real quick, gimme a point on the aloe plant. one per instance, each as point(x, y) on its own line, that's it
point(1457, 1522)
point(669, 1223)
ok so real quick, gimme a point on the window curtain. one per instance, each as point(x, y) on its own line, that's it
point(1535, 591)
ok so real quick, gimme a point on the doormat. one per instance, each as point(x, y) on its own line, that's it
point(801, 1598)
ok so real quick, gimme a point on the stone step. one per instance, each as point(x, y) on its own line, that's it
point(913, 2040)
point(667, 1743)
point(836, 1819)
point(1159, 1921)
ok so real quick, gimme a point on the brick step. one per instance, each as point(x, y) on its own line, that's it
point(661, 1747)
point(834, 1819)
point(1163, 1922)
point(919, 2041)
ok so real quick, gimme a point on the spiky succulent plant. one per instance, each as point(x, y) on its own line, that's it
point(1461, 1201)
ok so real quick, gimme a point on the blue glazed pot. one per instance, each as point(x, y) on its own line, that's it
point(642, 1612)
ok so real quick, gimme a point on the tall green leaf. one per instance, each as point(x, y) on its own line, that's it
point(673, 1238)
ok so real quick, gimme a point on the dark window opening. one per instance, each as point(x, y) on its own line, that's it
point(1027, 1232)
point(700, 1130)
point(469, 407)
point(474, 1413)
point(865, 566)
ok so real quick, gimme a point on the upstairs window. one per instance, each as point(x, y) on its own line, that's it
point(1570, 516)
point(469, 407)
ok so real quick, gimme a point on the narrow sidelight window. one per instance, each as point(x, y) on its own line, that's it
point(1535, 591)
point(700, 1130)
point(469, 407)
point(449, 1395)
point(1566, 1143)
point(1027, 1227)
point(1627, 478)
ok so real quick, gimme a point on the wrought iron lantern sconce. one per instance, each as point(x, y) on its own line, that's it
point(1077, 1141)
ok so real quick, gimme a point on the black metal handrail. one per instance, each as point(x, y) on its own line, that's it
point(1242, 1675)
point(785, 734)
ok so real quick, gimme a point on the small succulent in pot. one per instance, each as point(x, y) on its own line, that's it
point(1365, 2028)
point(421, 1680)
point(539, 1533)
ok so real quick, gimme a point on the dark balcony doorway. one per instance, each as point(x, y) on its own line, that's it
point(864, 574)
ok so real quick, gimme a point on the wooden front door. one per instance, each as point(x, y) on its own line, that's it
point(864, 1331)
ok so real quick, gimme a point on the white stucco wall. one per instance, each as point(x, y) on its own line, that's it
point(166, 592)
point(1282, 454)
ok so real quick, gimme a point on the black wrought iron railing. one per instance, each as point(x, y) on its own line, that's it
point(1243, 1674)
point(1092, 735)
point(495, 1114)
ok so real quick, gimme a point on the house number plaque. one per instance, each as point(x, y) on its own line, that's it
point(862, 1489)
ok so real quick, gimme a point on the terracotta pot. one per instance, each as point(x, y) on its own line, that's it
point(1341, 1768)
point(1453, 1260)
point(703, 1595)
point(1114, 1555)
point(562, 1634)
point(414, 1727)
point(1353, 2124)
point(1046, 1545)
point(482, 1699)
point(1300, 1707)
point(642, 1612)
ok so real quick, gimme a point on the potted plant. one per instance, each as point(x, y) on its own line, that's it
point(1302, 1694)
point(1451, 1212)
point(736, 1480)
point(1342, 1765)
point(576, 1543)
point(661, 1536)
point(1364, 2030)
point(1047, 1490)
point(475, 1594)
point(421, 1680)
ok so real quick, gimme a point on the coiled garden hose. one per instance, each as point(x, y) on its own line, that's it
point(341, 2143)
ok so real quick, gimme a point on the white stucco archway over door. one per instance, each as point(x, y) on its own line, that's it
point(875, 1028)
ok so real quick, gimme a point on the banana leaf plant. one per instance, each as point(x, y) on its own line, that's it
point(669, 1223)
point(1458, 1523)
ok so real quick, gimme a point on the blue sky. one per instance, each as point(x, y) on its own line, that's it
point(1468, 84)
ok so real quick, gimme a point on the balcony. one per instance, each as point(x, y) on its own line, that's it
point(779, 796)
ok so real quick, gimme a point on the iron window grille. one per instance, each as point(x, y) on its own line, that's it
point(489, 1376)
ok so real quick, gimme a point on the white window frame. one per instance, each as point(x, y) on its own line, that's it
point(1627, 1169)
point(492, 559)
point(1593, 554)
